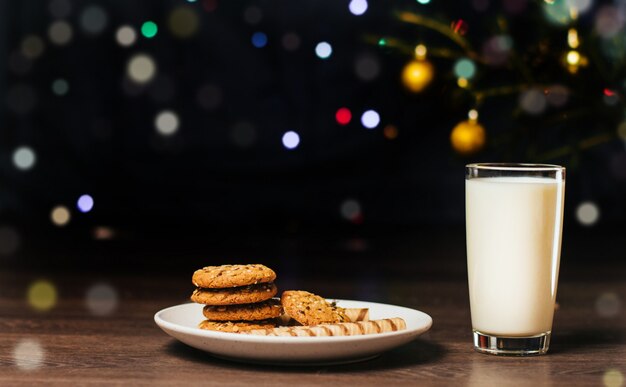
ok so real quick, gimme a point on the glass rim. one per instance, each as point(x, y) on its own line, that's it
point(516, 167)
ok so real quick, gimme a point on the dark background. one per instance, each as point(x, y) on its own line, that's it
point(224, 182)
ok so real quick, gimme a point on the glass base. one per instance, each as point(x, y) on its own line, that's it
point(512, 346)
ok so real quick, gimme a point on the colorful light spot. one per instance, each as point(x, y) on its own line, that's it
point(166, 123)
point(291, 140)
point(42, 295)
point(24, 158)
point(85, 203)
point(141, 68)
point(587, 213)
point(149, 29)
point(465, 68)
point(101, 299)
point(343, 116)
point(370, 119)
point(60, 216)
point(323, 50)
point(125, 36)
point(357, 7)
point(60, 87)
point(259, 39)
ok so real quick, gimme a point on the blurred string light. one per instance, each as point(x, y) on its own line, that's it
point(84, 203)
point(370, 119)
point(343, 116)
point(291, 140)
point(103, 233)
point(252, 15)
point(423, 1)
point(367, 67)
point(350, 210)
point(609, 21)
point(613, 378)
point(323, 50)
point(32, 46)
point(60, 87)
point(418, 73)
point(390, 132)
point(259, 39)
point(166, 122)
point(9, 240)
point(101, 299)
point(610, 97)
point(60, 33)
point(141, 68)
point(149, 29)
point(60, 216)
point(42, 295)
point(28, 354)
point(24, 158)
point(93, 19)
point(290, 41)
point(608, 305)
point(533, 101)
point(464, 68)
point(468, 137)
point(357, 7)
point(126, 36)
point(587, 213)
point(183, 22)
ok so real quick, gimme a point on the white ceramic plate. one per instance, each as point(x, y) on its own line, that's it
point(181, 322)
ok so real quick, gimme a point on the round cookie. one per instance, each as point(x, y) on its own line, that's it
point(236, 326)
point(310, 309)
point(240, 295)
point(248, 312)
point(230, 276)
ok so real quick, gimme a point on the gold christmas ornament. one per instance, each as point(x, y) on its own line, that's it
point(417, 75)
point(468, 137)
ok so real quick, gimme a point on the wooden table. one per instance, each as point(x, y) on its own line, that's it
point(69, 345)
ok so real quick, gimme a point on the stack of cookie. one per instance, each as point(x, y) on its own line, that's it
point(237, 298)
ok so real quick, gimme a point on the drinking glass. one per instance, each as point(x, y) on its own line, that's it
point(514, 217)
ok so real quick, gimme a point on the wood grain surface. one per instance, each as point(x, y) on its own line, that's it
point(71, 346)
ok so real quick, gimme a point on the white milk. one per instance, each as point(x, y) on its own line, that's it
point(513, 252)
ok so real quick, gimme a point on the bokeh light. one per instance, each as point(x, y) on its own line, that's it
point(608, 305)
point(291, 41)
point(141, 68)
point(60, 87)
point(209, 96)
point(259, 39)
point(24, 158)
point(32, 46)
point(557, 95)
point(101, 299)
point(42, 295)
point(126, 36)
point(149, 29)
point(417, 75)
point(103, 233)
point(323, 50)
point(557, 12)
point(613, 378)
point(464, 68)
point(28, 354)
point(533, 101)
point(9, 240)
point(587, 213)
point(367, 67)
point(183, 22)
point(496, 49)
point(343, 116)
point(357, 7)
point(166, 123)
point(85, 203)
point(468, 137)
point(60, 216)
point(60, 33)
point(370, 119)
point(390, 132)
point(93, 19)
point(243, 134)
point(423, 1)
point(609, 21)
point(291, 140)
point(252, 15)
point(350, 210)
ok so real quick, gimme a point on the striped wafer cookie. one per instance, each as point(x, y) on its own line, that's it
point(354, 314)
point(338, 329)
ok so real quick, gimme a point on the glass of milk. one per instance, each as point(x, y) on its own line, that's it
point(514, 217)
